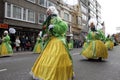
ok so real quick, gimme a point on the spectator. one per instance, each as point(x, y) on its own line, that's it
point(17, 43)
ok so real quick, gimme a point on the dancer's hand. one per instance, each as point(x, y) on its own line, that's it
point(50, 26)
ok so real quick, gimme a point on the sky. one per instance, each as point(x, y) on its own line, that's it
point(110, 15)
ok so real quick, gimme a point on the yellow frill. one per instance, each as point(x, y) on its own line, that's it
point(109, 45)
point(54, 62)
point(38, 48)
point(95, 49)
point(4, 51)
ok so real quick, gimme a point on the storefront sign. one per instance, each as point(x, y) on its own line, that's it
point(5, 26)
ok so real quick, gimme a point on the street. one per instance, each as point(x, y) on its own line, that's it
point(18, 66)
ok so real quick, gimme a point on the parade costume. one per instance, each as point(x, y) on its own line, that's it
point(55, 62)
point(70, 41)
point(109, 43)
point(94, 47)
point(5, 48)
point(70, 44)
point(38, 46)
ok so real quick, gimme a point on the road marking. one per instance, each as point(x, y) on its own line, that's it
point(3, 70)
point(75, 53)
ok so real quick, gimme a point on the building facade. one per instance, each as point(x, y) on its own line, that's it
point(94, 10)
point(98, 12)
point(72, 16)
point(85, 14)
point(27, 16)
point(23, 15)
point(84, 18)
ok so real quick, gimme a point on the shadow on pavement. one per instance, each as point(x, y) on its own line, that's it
point(93, 60)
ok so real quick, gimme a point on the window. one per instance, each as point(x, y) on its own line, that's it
point(66, 16)
point(79, 20)
point(69, 28)
point(49, 3)
point(41, 18)
point(24, 14)
point(8, 10)
point(84, 17)
point(17, 12)
point(94, 3)
point(33, 1)
point(31, 16)
point(99, 19)
point(91, 6)
point(42, 2)
point(59, 12)
point(98, 13)
point(91, 12)
point(83, 24)
point(84, 9)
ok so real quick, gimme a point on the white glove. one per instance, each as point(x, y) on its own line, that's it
point(40, 33)
point(88, 40)
point(97, 32)
point(50, 26)
point(45, 35)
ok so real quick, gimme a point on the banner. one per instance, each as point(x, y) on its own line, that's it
point(5, 26)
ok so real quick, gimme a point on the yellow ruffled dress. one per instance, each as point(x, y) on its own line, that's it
point(5, 47)
point(55, 62)
point(109, 44)
point(38, 46)
point(70, 44)
point(94, 48)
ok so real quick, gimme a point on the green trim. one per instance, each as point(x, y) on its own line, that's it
point(85, 47)
point(66, 46)
point(46, 43)
point(94, 48)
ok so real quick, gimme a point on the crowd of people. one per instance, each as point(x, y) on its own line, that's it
point(55, 61)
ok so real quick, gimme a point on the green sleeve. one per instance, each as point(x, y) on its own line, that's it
point(45, 25)
point(60, 26)
point(89, 36)
point(7, 38)
point(101, 35)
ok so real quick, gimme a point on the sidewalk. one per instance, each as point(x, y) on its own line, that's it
point(22, 52)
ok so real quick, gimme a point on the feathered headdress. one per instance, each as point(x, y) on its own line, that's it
point(40, 33)
point(99, 27)
point(92, 20)
point(52, 10)
point(5, 32)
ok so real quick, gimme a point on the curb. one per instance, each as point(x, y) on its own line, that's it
point(23, 52)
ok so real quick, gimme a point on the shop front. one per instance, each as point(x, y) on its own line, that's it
point(24, 33)
point(3, 27)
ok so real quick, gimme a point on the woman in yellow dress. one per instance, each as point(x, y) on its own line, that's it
point(5, 48)
point(70, 41)
point(94, 48)
point(39, 45)
point(109, 43)
point(55, 62)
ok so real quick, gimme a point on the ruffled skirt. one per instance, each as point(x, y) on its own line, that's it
point(37, 48)
point(54, 63)
point(94, 50)
point(5, 49)
point(109, 45)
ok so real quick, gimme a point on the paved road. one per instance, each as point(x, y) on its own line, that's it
point(18, 66)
